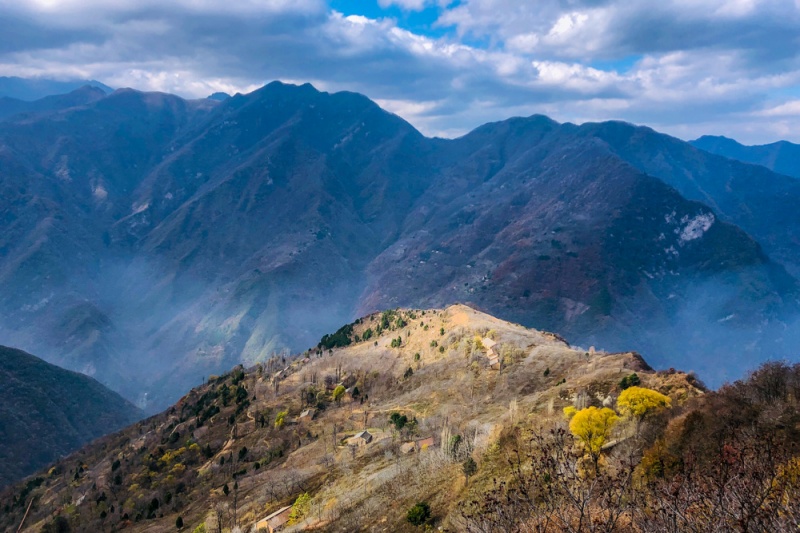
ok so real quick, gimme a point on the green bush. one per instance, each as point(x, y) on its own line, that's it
point(339, 339)
point(469, 467)
point(398, 420)
point(629, 381)
point(419, 514)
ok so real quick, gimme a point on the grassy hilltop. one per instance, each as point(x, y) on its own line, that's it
point(468, 430)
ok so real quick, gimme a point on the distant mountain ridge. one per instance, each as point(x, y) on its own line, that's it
point(782, 157)
point(84, 95)
point(30, 89)
point(151, 241)
point(47, 412)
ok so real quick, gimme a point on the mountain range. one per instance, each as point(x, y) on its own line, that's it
point(151, 241)
point(31, 89)
point(47, 412)
point(782, 157)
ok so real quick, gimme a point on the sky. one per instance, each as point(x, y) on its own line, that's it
point(684, 67)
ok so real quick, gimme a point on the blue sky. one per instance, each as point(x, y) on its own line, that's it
point(686, 67)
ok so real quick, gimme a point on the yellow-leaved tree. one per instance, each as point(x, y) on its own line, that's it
point(338, 393)
point(639, 402)
point(300, 508)
point(592, 427)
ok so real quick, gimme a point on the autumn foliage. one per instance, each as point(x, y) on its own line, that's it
point(726, 461)
point(638, 402)
point(592, 427)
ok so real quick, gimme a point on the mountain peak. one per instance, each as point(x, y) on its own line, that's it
point(218, 96)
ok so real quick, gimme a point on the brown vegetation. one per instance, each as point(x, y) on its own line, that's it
point(237, 449)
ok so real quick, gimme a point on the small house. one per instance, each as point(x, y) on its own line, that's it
point(307, 414)
point(491, 355)
point(418, 445)
point(361, 439)
point(424, 444)
point(275, 521)
point(408, 447)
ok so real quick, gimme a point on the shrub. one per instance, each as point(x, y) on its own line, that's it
point(630, 381)
point(453, 445)
point(300, 508)
point(419, 514)
point(398, 420)
point(338, 393)
point(469, 467)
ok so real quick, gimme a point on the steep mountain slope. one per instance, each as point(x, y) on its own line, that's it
point(151, 241)
point(66, 178)
point(554, 230)
point(759, 201)
point(319, 183)
point(782, 157)
point(244, 445)
point(47, 412)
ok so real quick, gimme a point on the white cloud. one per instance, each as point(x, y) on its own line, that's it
point(410, 5)
point(685, 66)
point(786, 109)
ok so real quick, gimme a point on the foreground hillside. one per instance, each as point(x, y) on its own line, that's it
point(435, 390)
point(150, 241)
point(47, 412)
